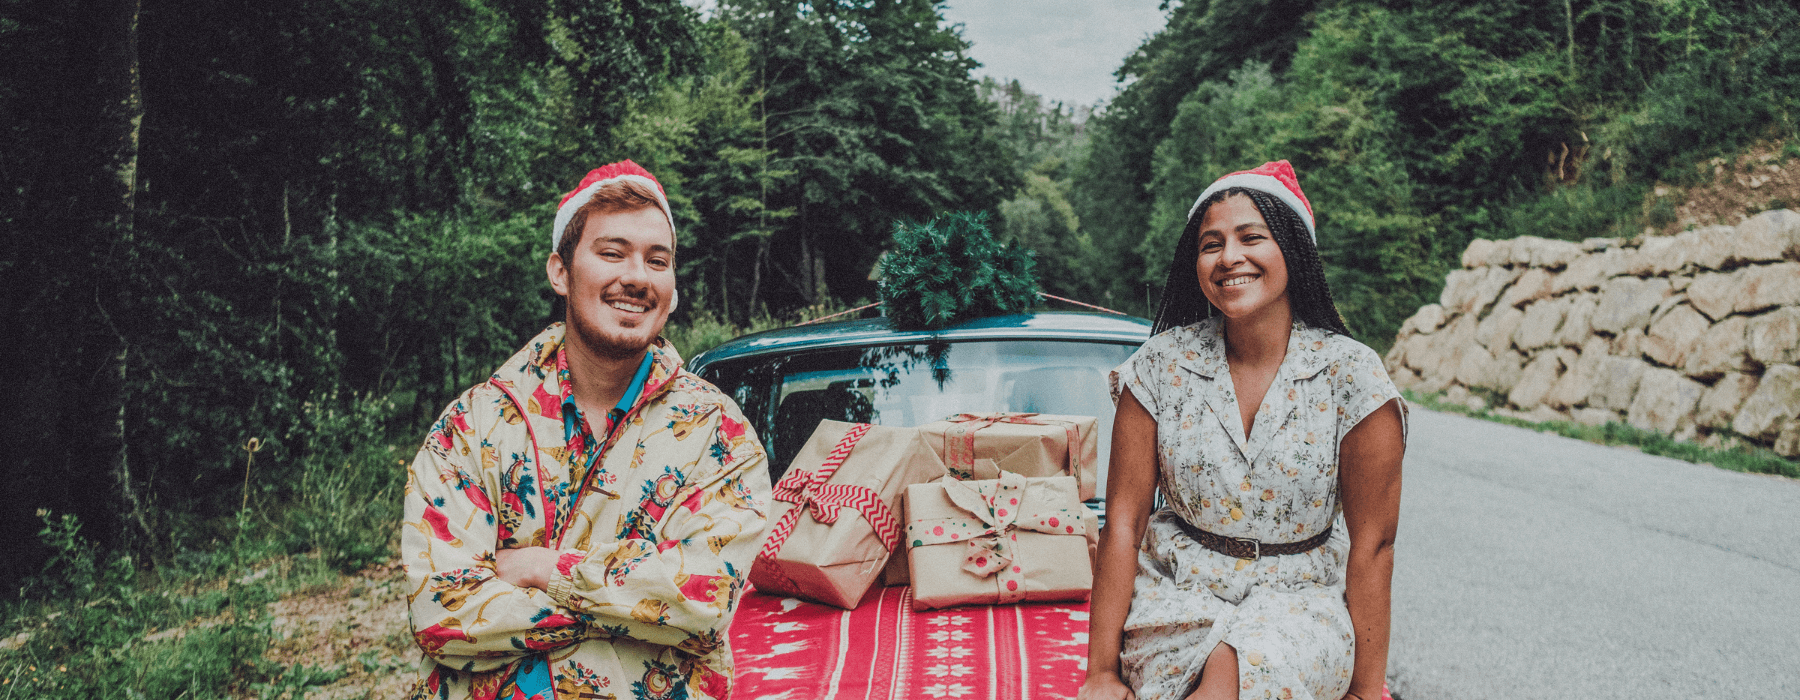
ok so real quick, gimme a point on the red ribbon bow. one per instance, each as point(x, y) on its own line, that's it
point(809, 493)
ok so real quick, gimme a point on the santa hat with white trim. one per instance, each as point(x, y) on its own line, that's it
point(1275, 179)
point(622, 171)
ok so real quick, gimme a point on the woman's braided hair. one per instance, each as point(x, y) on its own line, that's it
point(1184, 304)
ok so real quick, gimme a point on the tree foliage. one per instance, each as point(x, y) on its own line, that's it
point(1417, 126)
point(952, 269)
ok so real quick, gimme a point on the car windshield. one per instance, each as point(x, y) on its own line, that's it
point(910, 385)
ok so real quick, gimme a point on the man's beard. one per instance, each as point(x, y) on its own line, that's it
point(602, 343)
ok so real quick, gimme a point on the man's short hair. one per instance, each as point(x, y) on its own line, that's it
point(621, 197)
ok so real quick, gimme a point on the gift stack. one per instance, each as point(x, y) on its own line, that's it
point(836, 511)
point(990, 504)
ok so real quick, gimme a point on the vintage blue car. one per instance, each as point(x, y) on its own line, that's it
point(863, 371)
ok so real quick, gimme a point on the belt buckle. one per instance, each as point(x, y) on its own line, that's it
point(1254, 545)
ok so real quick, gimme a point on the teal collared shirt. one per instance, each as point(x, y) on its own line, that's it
point(583, 444)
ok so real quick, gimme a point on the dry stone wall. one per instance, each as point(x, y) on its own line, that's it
point(1695, 335)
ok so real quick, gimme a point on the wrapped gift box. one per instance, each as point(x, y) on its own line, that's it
point(835, 519)
point(998, 541)
point(1027, 444)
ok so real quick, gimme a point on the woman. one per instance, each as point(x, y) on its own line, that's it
point(1276, 440)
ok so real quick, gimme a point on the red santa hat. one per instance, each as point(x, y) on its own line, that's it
point(1276, 179)
point(602, 176)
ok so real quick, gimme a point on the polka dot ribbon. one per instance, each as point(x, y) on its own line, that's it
point(1000, 509)
point(959, 440)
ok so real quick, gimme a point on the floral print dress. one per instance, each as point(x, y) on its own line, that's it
point(1285, 615)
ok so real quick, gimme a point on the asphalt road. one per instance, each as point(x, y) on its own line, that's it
point(1535, 566)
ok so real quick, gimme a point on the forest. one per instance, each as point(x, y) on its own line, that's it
point(252, 249)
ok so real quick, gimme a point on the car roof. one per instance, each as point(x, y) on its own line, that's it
point(1041, 325)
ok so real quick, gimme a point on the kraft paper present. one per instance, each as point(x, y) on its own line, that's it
point(998, 541)
point(836, 513)
point(899, 571)
point(1027, 444)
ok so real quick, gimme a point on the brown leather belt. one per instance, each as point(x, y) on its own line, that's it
point(1246, 548)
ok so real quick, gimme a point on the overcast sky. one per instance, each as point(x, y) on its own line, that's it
point(1062, 49)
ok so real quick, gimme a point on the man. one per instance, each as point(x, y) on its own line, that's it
point(581, 525)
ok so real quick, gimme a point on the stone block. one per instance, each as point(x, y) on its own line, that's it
point(1496, 331)
point(1710, 293)
point(1474, 366)
point(1664, 401)
point(1545, 414)
point(1476, 255)
point(1415, 352)
point(1443, 350)
point(1593, 245)
point(1404, 378)
point(1501, 254)
point(1723, 348)
point(1483, 292)
point(1768, 236)
point(1522, 250)
point(1672, 336)
point(1680, 283)
point(1775, 401)
point(1593, 416)
point(1538, 328)
point(1657, 256)
point(1710, 248)
point(1765, 286)
point(1787, 442)
point(1721, 402)
point(1577, 325)
point(1578, 381)
point(1457, 285)
point(1504, 372)
point(1615, 261)
point(1626, 302)
point(1775, 336)
point(1583, 273)
point(1555, 255)
point(1427, 319)
point(1396, 355)
point(1532, 286)
point(1617, 382)
point(1630, 344)
point(1539, 377)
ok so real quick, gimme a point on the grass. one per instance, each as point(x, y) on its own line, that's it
point(1742, 459)
point(197, 623)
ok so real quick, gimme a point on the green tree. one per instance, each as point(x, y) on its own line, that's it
point(872, 118)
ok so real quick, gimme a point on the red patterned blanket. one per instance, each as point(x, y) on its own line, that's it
point(789, 649)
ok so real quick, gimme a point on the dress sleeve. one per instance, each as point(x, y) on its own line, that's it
point(677, 582)
point(463, 615)
point(1360, 385)
point(1140, 373)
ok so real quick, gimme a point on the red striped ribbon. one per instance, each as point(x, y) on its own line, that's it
point(809, 493)
point(962, 461)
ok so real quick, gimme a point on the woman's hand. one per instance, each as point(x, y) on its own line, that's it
point(1104, 685)
point(528, 567)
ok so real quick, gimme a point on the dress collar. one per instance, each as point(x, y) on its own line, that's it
point(1202, 350)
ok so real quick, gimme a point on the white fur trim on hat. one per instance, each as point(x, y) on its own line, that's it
point(1266, 184)
point(566, 212)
